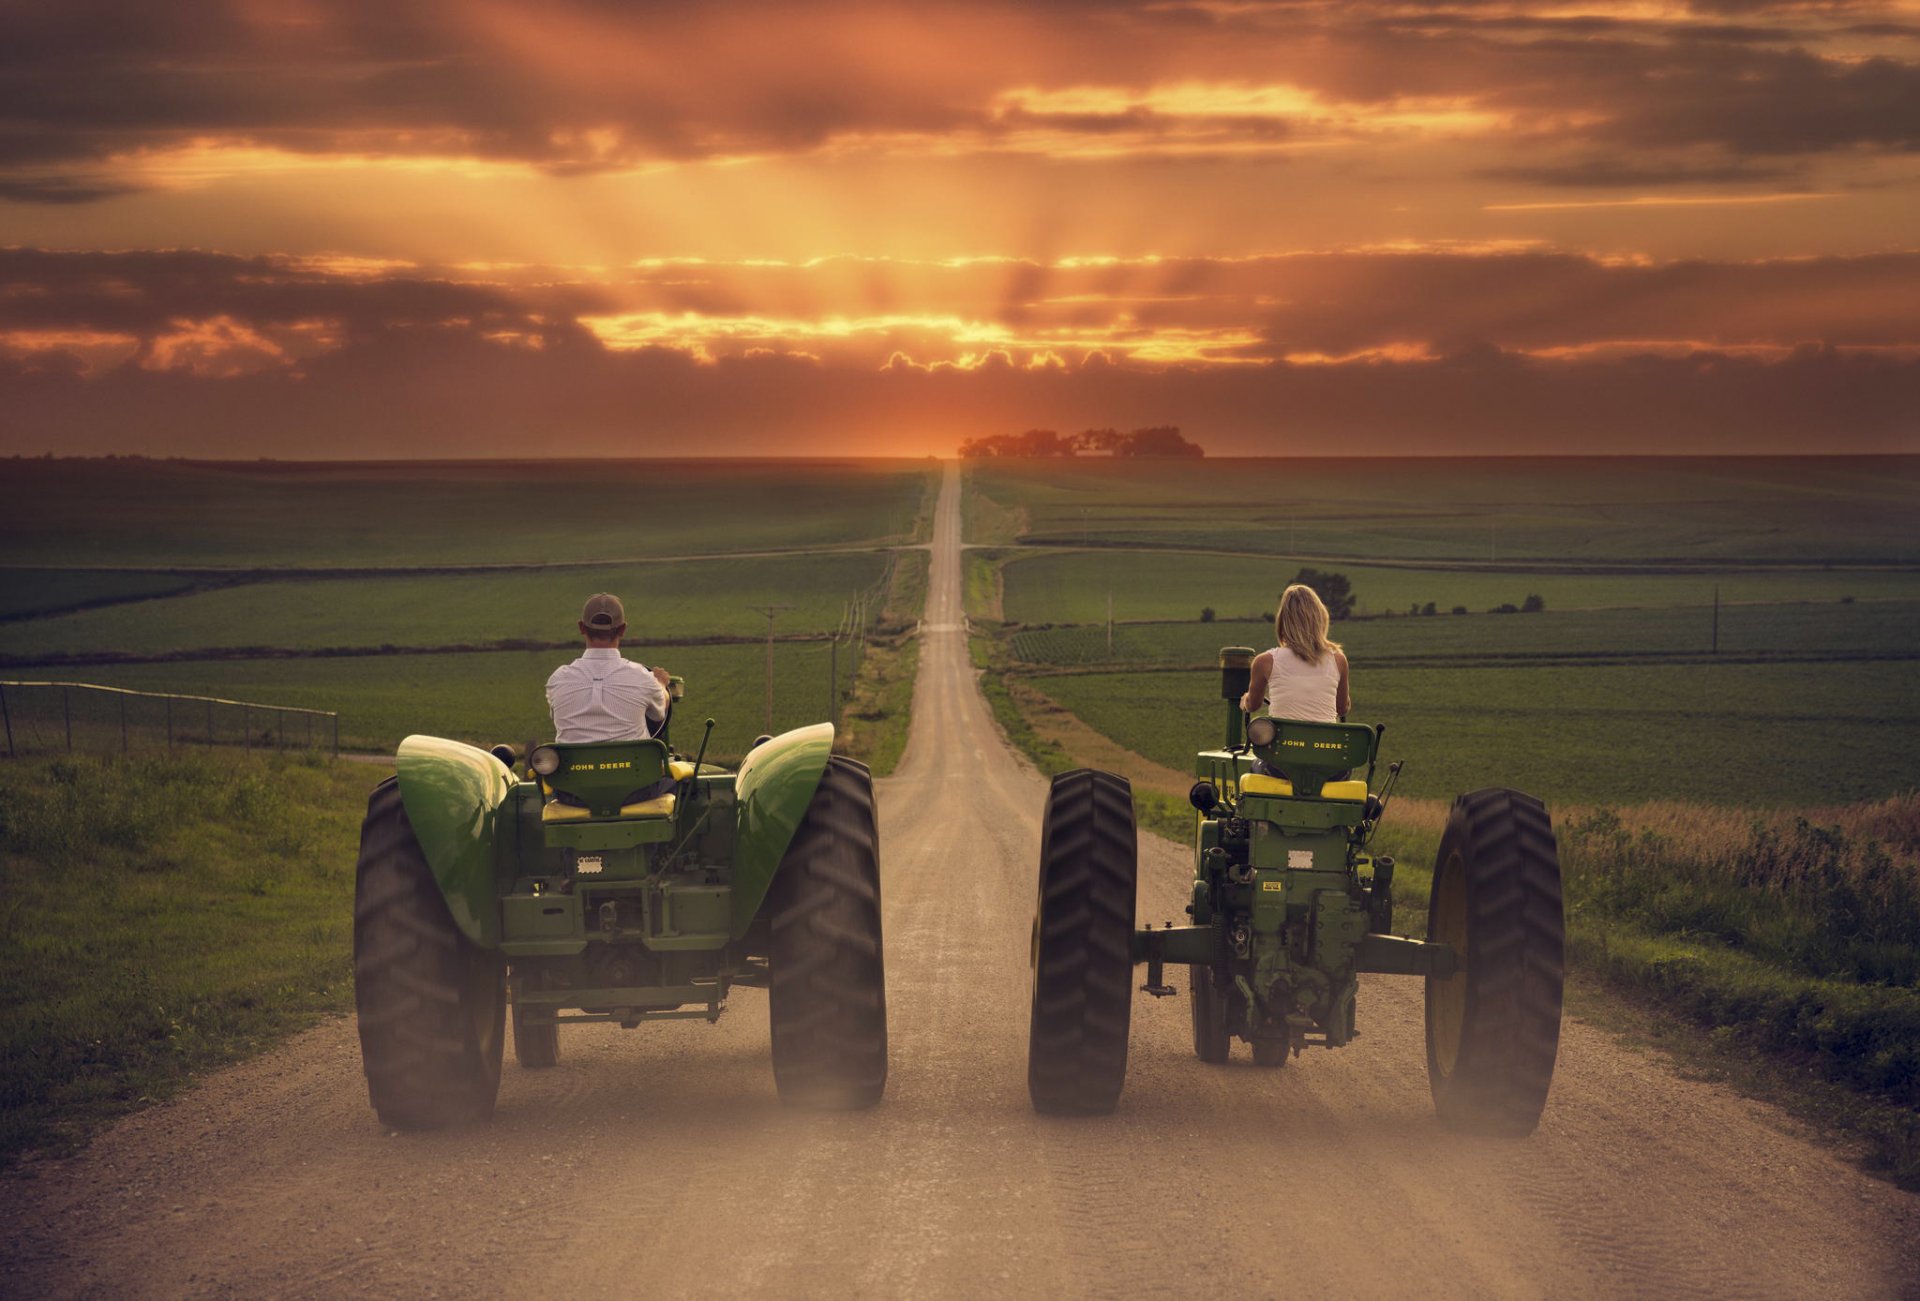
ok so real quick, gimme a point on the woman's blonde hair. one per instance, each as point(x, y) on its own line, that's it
point(1300, 624)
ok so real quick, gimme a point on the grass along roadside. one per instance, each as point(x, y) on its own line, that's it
point(163, 915)
point(1791, 938)
point(875, 714)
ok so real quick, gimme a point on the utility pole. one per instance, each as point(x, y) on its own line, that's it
point(770, 611)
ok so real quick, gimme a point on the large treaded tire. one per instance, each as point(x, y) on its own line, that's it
point(827, 994)
point(431, 1004)
point(1083, 946)
point(535, 1047)
point(1493, 1028)
point(1211, 1042)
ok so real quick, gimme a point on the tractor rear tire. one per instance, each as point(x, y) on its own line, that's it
point(431, 1003)
point(535, 1047)
point(827, 991)
point(1083, 946)
point(1211, 1042)
point(1493, 1028)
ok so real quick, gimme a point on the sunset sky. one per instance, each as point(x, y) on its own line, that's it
point(306, 228)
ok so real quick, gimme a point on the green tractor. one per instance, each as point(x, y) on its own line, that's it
point(1288, 910)
point(615, 882)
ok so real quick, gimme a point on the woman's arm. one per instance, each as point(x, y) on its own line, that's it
point(1343, 698)
point(1256, 697)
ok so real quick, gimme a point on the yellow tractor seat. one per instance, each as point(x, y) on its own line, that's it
point(679, 769)
point(660, 806)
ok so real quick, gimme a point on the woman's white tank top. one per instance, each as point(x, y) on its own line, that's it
point(1297, 689)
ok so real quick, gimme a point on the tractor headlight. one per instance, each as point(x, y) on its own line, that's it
point(1262, 732)
point(544, 760)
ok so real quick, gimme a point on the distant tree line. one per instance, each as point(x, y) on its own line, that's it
point(1336, 593)
point(1163, 441)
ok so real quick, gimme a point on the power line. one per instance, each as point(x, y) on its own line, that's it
point(770, 611)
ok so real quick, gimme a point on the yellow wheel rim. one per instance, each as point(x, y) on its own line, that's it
point(1447, 999)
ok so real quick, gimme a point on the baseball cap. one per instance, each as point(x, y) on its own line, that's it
point(603, 610)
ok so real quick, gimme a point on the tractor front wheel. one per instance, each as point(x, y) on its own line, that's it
point(431, 1003)
point(827, 995)
point(1493, 1028)
point(1083, 945)
point(1211, 1042)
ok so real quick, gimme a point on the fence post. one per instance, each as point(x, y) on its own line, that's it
point(66, 713)
point(8, 716)
point(833, 682)
point(246, 730)
point(209, 724)
point(336, 736)
point(169, 723)
point(123, 725)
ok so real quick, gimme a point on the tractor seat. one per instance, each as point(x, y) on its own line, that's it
point(1255, 783)
point(660, 806)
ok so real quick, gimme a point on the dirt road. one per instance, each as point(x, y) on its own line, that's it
point(659, 1162)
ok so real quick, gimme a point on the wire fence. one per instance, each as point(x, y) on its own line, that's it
point(862, 613)
point(63, 717)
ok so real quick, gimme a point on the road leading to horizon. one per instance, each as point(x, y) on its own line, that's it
point(659, 1161)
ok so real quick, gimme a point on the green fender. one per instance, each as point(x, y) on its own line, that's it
point(774, 788)
point(453, 793)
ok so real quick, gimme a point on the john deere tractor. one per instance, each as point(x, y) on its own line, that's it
point(619, 883)
point(1288, 910)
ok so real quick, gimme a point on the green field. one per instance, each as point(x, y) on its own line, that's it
point(1073, 587)
point(1830, 629)
point(140, 513)
point(32, 591)
point(1615, 692)
point(1730, 734)
point(704, 598)
point(483, 698)
point(1692, 510)
point(164, 915)
point(307, 560)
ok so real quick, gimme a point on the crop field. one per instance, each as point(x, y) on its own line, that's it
point(1739, 734)
point(1615, 692)
point(486, 698)
point(36, 591)
point(247, 581)
point(699, 598)
point(134, 513)
point(1860, 629)
point(1073, 587)
point(1679, 509)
